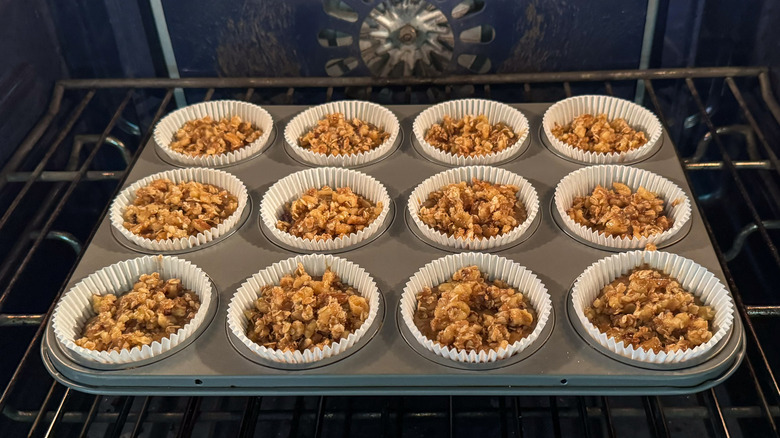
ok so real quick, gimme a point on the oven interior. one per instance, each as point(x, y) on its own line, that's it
point(67, 143)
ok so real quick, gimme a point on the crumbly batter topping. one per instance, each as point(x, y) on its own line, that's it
point(473, 211)
point(471, 136)
point(153, 310)
point(619, 212)
point(597, 134)
point(324, 214)
point(165, 210)
point(648, 309)
point(304, 312)
point(470, 312)
point(336, 135)
point(206, 136)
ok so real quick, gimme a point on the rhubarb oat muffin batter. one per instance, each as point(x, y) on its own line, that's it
point(337, 135)
point(597, 134)
point(650, 310)
point(619, 212)
point(471, 136)
point(206, 136)
point(304, 312)
point(478, 210)
point(470, 312)
point(325, 213)
point(154, 309)
point(166, 210)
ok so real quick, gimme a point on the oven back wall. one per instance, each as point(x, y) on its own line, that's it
point(30, 62)
point(357, 37)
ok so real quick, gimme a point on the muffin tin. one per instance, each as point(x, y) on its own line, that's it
point(560, 361)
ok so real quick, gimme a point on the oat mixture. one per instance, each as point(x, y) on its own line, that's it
point(304, 312)
point(335, 135)
point(324, 214)
point(650, 310)
point(596, 134)
point(206, 136)
point(153, 310)
point(470, 312)
point(164, 210)
point(619, 212)
point(473, 211)
point(471, 136)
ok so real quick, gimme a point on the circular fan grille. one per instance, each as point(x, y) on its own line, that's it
point(399, 38)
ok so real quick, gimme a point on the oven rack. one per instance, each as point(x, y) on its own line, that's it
point(720, 104)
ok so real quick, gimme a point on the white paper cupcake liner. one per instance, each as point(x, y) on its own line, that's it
point(582, 182)
point(495, 112)
point(565, 111)
point(366, 111)
point(315, 265)
point(217, 109)
point(526, 194)
point(497, 267)
point(292, 187)
point(214, 177)
point(75, 307)
point(693, 277)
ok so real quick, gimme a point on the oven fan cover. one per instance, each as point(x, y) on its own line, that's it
point(402, 38)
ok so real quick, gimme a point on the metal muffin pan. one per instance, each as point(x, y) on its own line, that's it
point(561, 362)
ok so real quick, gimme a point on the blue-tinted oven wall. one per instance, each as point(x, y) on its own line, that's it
point(280, 38)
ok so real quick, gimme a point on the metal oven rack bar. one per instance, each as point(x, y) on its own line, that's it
point(63, 411)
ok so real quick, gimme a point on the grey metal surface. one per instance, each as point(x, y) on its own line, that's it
point(387, 364)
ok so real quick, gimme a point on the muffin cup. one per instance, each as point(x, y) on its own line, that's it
point(292, 187)
point(215, 177)
point(526, 194)
point(565, 111)
point(366, 111)
point(75, 307)
point(497, 267)
point(693, 278)
point(217, 109)
point(495, 112)
point(582, 182)
point(315, 265)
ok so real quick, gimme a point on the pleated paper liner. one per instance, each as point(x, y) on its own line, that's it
point(497, 267)
point(217, 109)
point(293, 186)
point(692, 277)
point(315, 265)
point(526, 194)
point(565, 111)
point(75, 307)
point(214, 177)
point(581, 182)
point(494, 111)
point(366, 111)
